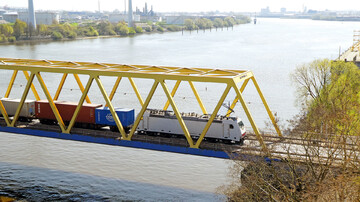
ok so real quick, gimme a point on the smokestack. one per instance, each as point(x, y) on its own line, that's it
point(99, 6)
point(32, 20)
point(130, 20)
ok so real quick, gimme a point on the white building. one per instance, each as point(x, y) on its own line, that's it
point(46, 18)
point(10, 17)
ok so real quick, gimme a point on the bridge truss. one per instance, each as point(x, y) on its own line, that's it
point(237, 80)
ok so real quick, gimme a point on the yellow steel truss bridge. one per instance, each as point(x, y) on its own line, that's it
point(233, 79)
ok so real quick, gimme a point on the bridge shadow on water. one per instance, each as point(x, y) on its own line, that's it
point(40, 184)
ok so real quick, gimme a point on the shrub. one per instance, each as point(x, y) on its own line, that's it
point(124, 30)
point(132, 30)
point(12, 39)
point(56, 35)
point(138, 30)
point(148, 29)
point(160, 29)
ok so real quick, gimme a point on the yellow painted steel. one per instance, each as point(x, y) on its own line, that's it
point(176, 86)
point(236, 98)
point(213, 115)
point(51, 102)
point(4, 113)
point(33, 89)
point(178, 115)
point(113, 91)
point(78, 107)
point(77, 78)
point(160, 74)
point(250, 118)
point(198, 97)
point(266, 106)
point(61, 85)
point(22, 100)
point(136, 91)
point(11, 83)
point(143, 109)
point(111, 108)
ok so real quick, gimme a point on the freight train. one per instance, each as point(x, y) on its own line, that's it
point(154, 122)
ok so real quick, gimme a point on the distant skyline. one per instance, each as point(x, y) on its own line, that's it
point(188, 5)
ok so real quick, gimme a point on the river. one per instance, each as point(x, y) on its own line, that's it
point(42, 168)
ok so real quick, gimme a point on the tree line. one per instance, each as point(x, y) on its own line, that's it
point(205, 23)
point(329, 129)
point(57, 31)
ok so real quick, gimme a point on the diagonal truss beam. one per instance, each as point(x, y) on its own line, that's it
point(177, 113)
point(78, 107)
point(136, 91)
point(11, 83)
point(143, 109)
point(51, 102)
point(23, 97)
point(213, 115)
point(111, 108)
point(60, 87)
point(176, 86)
point(77, 78)
point(198, 97)
point(116, 85)
point(236, 100)
point(250, 118)
point(33, 89)
point(266, 106)
point(4, 113)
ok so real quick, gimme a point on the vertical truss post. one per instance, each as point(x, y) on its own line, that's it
point(236, 98)
point(178, 115)
point(198, 97)
point(4, 113)
point(37, 97)
point(136, 91)
point(78, 107)
point(116, 85)
point(77, 78)
point(249, 116)
point(11, 83)
point(177, 84)
point(111, 108)
point(143, 108)
point(213, 115)
point(51, 102)
point(266, 106)
point(23, 97)
point(61, 85)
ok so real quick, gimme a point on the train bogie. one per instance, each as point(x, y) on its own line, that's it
point(11, 105)
point(66, 109)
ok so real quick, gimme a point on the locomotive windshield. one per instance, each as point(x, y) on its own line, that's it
point(241, 124)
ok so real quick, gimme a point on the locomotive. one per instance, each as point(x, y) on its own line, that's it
point(153, 122)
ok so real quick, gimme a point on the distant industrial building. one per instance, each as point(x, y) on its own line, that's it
point(46, 18)
point(10, 17)
point(117, 17)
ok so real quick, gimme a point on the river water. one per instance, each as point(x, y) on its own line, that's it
point(42, 168)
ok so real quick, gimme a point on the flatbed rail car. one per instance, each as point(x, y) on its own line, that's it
point(161, 122)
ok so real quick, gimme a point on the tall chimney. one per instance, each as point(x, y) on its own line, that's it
point(32, 20)
point(130, 20)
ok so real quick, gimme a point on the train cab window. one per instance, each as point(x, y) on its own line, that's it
point(241, 124)
point(231, 126)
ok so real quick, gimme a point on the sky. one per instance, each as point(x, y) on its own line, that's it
point(189, 5)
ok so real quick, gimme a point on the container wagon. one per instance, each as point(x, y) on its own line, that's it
point(85, 119)
point(226, 129)
point(27, 111)
point(103, 117)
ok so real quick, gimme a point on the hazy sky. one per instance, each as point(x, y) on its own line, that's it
point(189, 5)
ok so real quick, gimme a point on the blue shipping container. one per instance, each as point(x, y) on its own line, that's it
point(103, 116)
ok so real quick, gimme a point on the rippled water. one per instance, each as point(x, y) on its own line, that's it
point(41, 168)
